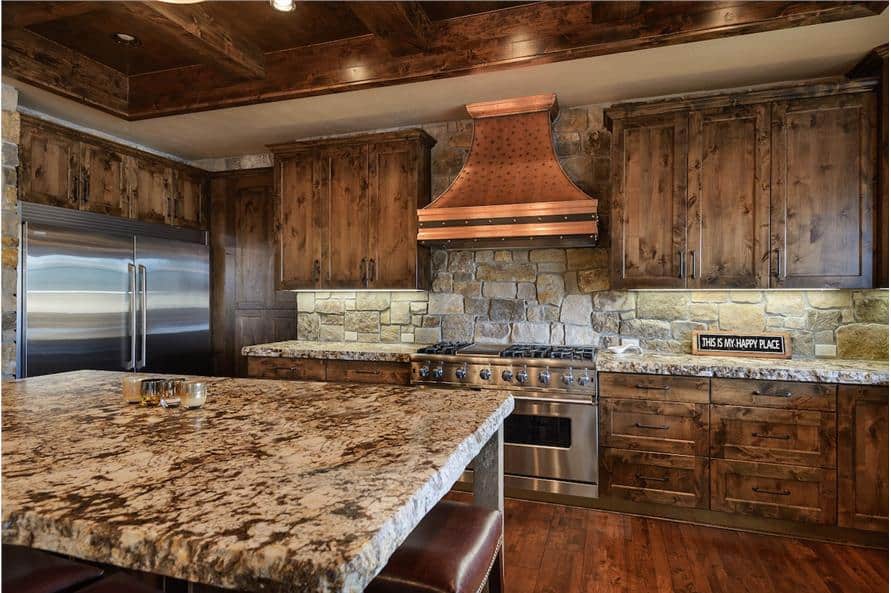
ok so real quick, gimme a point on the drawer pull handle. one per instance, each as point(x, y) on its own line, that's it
point(779, 437)
point(651, 426)
point(650, 478)
point(774, 492)
point(364, 372)
point(659, 387)
point(772, 393)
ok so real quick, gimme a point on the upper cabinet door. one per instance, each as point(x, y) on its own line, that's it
point(346, 251)
point(188, 200)
point(102, 180)
point(728, 198)
point(150, 189)
point(824, 153)
point(300, 217)
point(394, 173)
point(50, 171)
point(649, 157)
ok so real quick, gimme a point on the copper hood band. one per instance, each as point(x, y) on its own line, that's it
point(512, 185)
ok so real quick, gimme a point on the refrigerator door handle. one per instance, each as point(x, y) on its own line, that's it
point(131, 271)
point(140, 364)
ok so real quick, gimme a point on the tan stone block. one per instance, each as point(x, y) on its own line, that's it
point(741, 317)
point(442, 303)
point(329, 306)
point(547, 255)
point(506, 271)
point(617, 301)
point(871, 306)
point(584, 258)
point(825, 350)
point(829, 299)
point(784, 303)
point(703, 311)
point(572, 120)
point(868, 341)
point(11, 123)
point(671, 305)
point(400, 312)
point(362, 321)
point(390, 333)
point(372, 301)
point(709, 296)
point(593, 280)
point(746, 296)
point(503, 255)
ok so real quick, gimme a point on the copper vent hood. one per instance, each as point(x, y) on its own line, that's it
point(512, 191)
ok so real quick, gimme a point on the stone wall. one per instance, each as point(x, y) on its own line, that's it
point(10, 229)
point(560, 296)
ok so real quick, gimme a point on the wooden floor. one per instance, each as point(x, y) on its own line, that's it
point(559, 549)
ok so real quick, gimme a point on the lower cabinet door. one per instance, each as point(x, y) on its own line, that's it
point(294, 369)
point(661, 427)
point(677, 480)
point(787, 492)
point(349, 371)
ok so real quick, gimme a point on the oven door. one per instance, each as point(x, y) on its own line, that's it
point(552, 439)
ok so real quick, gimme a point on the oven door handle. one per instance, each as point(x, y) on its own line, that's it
point(554, 400)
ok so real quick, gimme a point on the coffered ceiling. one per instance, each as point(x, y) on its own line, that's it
point(212, 55)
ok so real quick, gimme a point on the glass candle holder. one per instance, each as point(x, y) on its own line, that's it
point(192, 394)
point(130, 386)
point(151, 391)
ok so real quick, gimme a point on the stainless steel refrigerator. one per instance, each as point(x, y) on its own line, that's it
point(99, 292)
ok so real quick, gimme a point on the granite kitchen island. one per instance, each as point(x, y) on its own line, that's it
point(272, 486)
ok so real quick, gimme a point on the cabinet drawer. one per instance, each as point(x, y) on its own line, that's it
point(654, 387)
point(296, 369)
point(791, 493)
point(349, 371)
point(774, 394)
point(662, 427)
point(659, 478)
point(802, 437)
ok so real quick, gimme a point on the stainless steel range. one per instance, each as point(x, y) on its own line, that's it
point(550, 440)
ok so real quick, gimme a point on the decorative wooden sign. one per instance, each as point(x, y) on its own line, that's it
point(756, 345)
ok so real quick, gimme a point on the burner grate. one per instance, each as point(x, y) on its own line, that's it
point(542, 351)
point(447, 348)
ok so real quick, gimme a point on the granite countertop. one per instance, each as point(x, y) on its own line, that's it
point(866, 372)
point(272, 486)
point(367, 351)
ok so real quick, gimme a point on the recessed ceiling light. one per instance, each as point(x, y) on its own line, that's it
point(282, 5)
point(125, 39)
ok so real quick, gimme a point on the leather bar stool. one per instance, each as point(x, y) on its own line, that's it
point(455, 549)
point(118, 583)
point(26, 570)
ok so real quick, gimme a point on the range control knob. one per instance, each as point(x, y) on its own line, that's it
point(438, 373)
point(568, 378)
point(461, 373)
point(522, 376)
point(486, 374)
point(424, 371)
point(584, 379)
point(507, 375)
point(544, 377)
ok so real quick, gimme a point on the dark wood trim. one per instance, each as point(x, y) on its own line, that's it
point(18, 15)
point(55, 68)
point(402, 27)
point(805, 89)
point(477, 43)
point(376, 137)
point(219, 47)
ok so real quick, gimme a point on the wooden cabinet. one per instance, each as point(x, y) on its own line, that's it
point(654, 387)
point(649, 158)
point(677, 480)
point(346, 211)
point(342, 371)
point(663, 427)
point(863, 457)
point(788, 492)
point(49, 166)
point(102, 187)
point(246, 307)
point(63, 167)
point(823, 191)
point(772, 188)
point(728, 197)
point(774, 394)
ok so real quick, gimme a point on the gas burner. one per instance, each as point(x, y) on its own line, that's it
point(557, 352)
point(447, 348)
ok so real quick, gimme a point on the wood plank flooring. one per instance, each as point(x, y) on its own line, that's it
point(559, 549)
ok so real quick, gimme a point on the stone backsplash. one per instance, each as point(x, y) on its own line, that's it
point(561, 296)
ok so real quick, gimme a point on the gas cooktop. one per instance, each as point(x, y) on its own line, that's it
point(513, 351)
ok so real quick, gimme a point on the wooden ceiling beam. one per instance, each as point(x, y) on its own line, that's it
point(403, 27)
point(45, 64)
point(18, 15)
point(210, 39)
point(528, 34)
